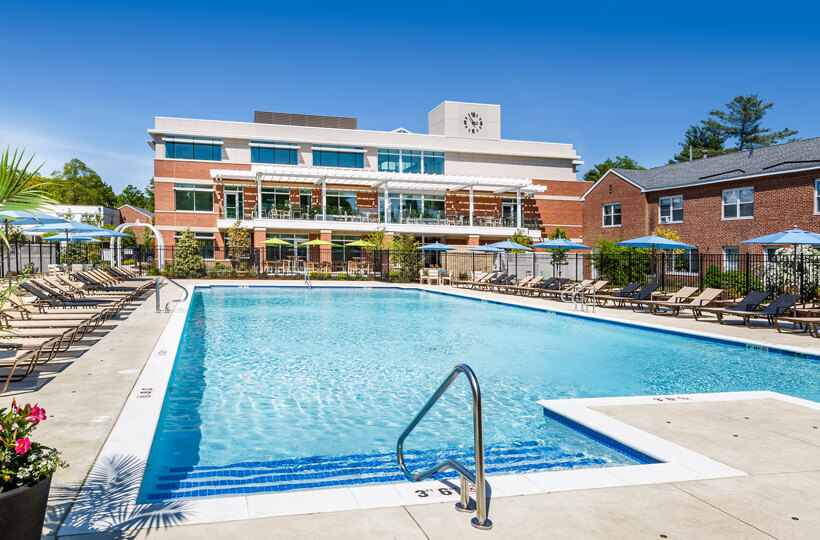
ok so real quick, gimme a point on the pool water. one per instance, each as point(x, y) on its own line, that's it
point(292, 388)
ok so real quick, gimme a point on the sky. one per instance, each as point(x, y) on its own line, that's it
point(85, 79)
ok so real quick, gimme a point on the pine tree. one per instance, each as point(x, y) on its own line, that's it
point(187, 259)
point(620, 162)
point(700, 139)
point(742, 121)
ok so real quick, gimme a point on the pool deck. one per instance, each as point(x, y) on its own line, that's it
point(776, 444)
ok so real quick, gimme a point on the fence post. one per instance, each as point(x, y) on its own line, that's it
point(629, 265)
point(748, 271)
point(802, 274)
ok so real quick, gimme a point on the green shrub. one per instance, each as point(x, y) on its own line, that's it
point(232, 273)
point(153, 272)
point(313, 274)
point(324, 275)
point(736, 282)
point(213, 274)
point(340, 275)
point(129, 261)
point(187, 260)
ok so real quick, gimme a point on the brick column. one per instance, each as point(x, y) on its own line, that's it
point(325, 251)
point(257, 238)
point(472, 240)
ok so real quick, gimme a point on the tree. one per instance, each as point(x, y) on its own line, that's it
point(149, 196)
point(742, 121)
point(134, 196)
point(620, 162)
point(379, 240)
point(407, 256)
point(699, 139)
point(79, 184)
point(520, 237)
point(558, 255)
point(237, 241)
point(187, 259)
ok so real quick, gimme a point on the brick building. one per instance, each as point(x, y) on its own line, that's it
point(135, 214)
point(304, 177)
point(713, 203)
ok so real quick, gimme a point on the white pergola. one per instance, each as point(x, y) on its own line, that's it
point(386, 181)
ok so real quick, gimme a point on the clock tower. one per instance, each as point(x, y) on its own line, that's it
point(458, 119)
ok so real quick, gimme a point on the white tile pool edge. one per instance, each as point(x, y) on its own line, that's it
point(133, 434)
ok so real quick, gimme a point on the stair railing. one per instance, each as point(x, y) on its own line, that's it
point(178, 300)
point(464, 505)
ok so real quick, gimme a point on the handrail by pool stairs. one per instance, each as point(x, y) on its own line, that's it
point(579, 298)
point(480, 521)
point(169, 280)
point(307, 279)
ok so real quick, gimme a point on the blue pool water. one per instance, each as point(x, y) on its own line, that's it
point(276, 389)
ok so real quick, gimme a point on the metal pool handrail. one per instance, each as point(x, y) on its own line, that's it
point(169, 280)
point(480, 521)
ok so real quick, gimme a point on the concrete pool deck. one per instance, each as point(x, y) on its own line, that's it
point(774, 442)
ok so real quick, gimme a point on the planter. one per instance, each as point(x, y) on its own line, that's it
point(23, 510)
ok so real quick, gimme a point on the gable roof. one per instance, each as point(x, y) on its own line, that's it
point(142, 211)
point(795, 155)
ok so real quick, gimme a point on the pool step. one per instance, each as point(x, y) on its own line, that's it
point(322, 471)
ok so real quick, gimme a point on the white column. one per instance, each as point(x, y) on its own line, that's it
point(471, 206)
point(518, 209)
point(324, 200)
point(258, 197)
point(386, 204)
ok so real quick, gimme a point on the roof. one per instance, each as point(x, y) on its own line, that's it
point(788, 156)
point(376, 179)
point(138, 209)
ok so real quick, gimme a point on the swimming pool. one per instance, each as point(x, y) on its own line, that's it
point(288, 388)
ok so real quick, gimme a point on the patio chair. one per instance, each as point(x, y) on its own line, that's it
point(432, 275)
point(625, 292)
point(556, 285)
point(750, 303)
point(706, 298)
point(808, 324)
point(526, 284)
point(776, 308)
point(569, 288)
point(681, 295)
point(644, 293)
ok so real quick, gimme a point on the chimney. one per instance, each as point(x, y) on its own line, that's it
point(705, 154)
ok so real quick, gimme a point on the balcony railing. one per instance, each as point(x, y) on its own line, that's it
point(372, 216)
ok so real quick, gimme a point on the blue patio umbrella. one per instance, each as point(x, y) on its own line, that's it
point(486, 249)
point(793, 237)
point(27, 217)
point(63, 237)
point(509, 244)
point(559, 243)
point(654, 242)
point(436, 246)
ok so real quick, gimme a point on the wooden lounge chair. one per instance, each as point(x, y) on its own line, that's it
point(750, 303)
point(527, 284)
point(556, 285)
point(776, 308)
point(808, 324)
point(705, 298)
point(679, 296)
point(644, 293)
point(626, 292)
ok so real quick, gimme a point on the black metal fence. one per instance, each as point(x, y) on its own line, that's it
point(738, 274)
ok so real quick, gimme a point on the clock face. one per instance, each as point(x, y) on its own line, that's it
point(473, 123)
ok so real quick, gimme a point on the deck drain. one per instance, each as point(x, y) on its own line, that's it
point(127, 371)
point(98, 419)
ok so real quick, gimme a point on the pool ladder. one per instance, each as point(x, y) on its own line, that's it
point(579, 298)
point(465, 504)
point(178, 300)
point(307, 280)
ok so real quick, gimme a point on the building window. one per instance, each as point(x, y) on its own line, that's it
point(612, 215)
point(338, 156)
point(205, 242)
point(730, 258)
point(194, 198)
point(305, 199)
point(771, 254)
point(739, 203)
point(817, 196)
point(276, 153)
point(193, 148)
point(670, 209)
point(410, 161)
point(682, 261)
point(405, 206)
point(275, 199)
point(233, 202)
point(341, 202)
point(281, 253)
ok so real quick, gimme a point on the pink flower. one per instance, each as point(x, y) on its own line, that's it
point(22, 446)
point(36, 415)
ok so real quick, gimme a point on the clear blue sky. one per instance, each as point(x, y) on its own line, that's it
point(85, 80)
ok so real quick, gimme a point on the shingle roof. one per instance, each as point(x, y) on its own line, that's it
point(781, 157)
point(138, 209)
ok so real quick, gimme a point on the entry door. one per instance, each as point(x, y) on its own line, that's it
point(508, 213)
point(233, 205)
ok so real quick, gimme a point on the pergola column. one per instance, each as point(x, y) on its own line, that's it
point(471, 206)
point(258, 196)
point(386, 204)
point(518, 208)
point(324, 199)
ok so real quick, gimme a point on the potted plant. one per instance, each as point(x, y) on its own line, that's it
point(25, 472)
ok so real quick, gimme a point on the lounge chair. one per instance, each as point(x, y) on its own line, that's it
point(626, 292)
point(808, 324)
point(705, 298)
point(644, 293)
point(750, 303)
point(527, 284)
point(776, 308)
point(568, 289)
point(679, 296)
point(556, 285)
